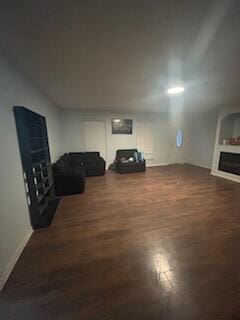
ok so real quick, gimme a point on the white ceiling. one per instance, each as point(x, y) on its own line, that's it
point(123, 54)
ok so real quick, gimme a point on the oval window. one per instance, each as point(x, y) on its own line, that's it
point(179, 138)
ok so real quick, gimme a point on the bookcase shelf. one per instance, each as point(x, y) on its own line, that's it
point(36, 163)
point(39, 150)
point(42, 196)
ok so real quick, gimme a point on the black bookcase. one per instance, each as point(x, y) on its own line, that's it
point(36, 163)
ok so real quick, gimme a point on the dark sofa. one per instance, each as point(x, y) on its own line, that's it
point(94, 164)
point(70, 170)
point(69, 178)
point(138, 165)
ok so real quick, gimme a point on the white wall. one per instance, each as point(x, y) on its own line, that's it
point(164, 134)
point(236, 128)
point(200, 133)
point(15, 227)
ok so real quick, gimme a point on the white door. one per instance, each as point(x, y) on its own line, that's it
point(95, 136)
point(145, 139)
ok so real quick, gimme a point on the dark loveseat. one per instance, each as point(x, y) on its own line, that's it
point(94, 164)
point(70, 170)
point(69, 178)
point(123, 165)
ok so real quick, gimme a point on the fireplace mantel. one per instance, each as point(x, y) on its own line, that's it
point(221, 135)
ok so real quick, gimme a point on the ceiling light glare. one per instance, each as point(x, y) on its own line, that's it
point(175, 90)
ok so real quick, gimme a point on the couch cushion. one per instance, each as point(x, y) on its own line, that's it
point(63, 164)
point(91, 156)
point(77, 157)
point(78, 170)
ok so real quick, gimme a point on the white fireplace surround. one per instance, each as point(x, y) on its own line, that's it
point(219, 147)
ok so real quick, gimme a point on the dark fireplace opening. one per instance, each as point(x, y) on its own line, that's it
point(229, 162)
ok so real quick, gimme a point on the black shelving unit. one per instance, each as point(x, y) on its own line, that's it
point(36, 163)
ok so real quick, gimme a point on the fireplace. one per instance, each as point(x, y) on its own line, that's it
point(229, 162)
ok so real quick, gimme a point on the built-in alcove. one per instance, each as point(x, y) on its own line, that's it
point(230, 129)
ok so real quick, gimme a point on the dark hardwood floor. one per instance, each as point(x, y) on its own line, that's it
point(164, 244)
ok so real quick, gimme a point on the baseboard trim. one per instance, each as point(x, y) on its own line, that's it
point(157, 165)
point(198, 165)
point(227, 176)
point(8, 269)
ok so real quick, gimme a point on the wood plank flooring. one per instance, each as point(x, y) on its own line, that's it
point(164, 244)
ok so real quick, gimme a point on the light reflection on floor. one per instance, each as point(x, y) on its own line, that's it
point(163, 272)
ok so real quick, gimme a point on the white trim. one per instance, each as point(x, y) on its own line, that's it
point(226, 175)
point(178, 162)
point(199, 165)
point(8, 269)
point(148, 165)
